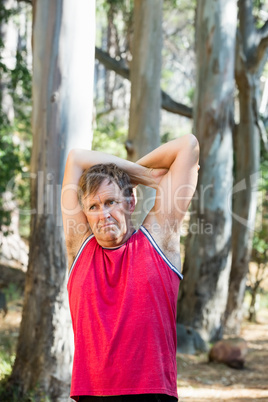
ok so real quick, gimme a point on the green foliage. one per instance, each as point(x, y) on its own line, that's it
point(5, 14)
point(10, 166)
point(121, 13)
point(14, 159)
point(13, 393)
point(260, 245)
point(258, 7)
point(110, 138)
point(178, 4)
point(15, 136)
point(166, 76)
point(21, 89)
point(7, 357)
point(190, 96)
point(123, 5)
point(8, 391)
point(12, 292)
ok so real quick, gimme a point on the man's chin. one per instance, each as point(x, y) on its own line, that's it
point(109, 232)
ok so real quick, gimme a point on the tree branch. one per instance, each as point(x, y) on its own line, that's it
point(172, 106)
point(167, 102)
point(111, 64)
point(25, 1)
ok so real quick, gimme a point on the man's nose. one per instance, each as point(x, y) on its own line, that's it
point(104, 212)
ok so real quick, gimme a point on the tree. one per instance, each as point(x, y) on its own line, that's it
point(177, 56)
point(203, 293)
point(251, 55)
point(167, 103)
point(145, 74)
point(63, 62)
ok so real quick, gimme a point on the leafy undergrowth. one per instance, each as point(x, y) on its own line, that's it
point(9, 331)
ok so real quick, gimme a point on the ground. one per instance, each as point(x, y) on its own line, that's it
point(198, 380)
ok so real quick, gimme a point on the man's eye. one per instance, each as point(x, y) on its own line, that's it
point(92, 207)
point(111, 202)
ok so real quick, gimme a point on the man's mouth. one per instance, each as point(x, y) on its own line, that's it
point(107, 225)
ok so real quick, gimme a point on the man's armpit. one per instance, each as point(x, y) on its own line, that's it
point(73, 246)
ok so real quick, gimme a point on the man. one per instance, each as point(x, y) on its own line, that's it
point(123, 284)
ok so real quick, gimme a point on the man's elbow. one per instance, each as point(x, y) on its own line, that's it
point(74, 156)
point(193, 141)
point(73, 153)
point(192, 144)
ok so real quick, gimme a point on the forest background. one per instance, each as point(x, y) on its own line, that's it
point(159, 70)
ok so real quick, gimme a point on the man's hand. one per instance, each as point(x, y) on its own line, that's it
point(174, 166)
point(157, 175)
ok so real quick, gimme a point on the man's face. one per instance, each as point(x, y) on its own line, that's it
point(108, 214)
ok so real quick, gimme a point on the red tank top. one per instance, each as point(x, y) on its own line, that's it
point(123, 307)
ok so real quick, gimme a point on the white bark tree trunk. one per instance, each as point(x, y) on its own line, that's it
point(63, 63)
point(204, 290)
point(251, 47)
point(145, 102)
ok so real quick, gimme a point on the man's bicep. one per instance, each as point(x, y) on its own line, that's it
point(74, 220)
point(177, 188)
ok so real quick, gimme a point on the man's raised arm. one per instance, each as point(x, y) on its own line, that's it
point(177, 186)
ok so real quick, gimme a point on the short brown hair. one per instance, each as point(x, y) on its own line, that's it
point(93, 177)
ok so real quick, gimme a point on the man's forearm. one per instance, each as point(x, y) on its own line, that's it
point(164, 156)
point(81, 159)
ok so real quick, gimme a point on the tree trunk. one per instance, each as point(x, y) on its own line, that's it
point(145, 102)
point(250, 56)
point(252, 308)
point(63, 62)
point(203, 293)
point(112, 50)
point(247, 159)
